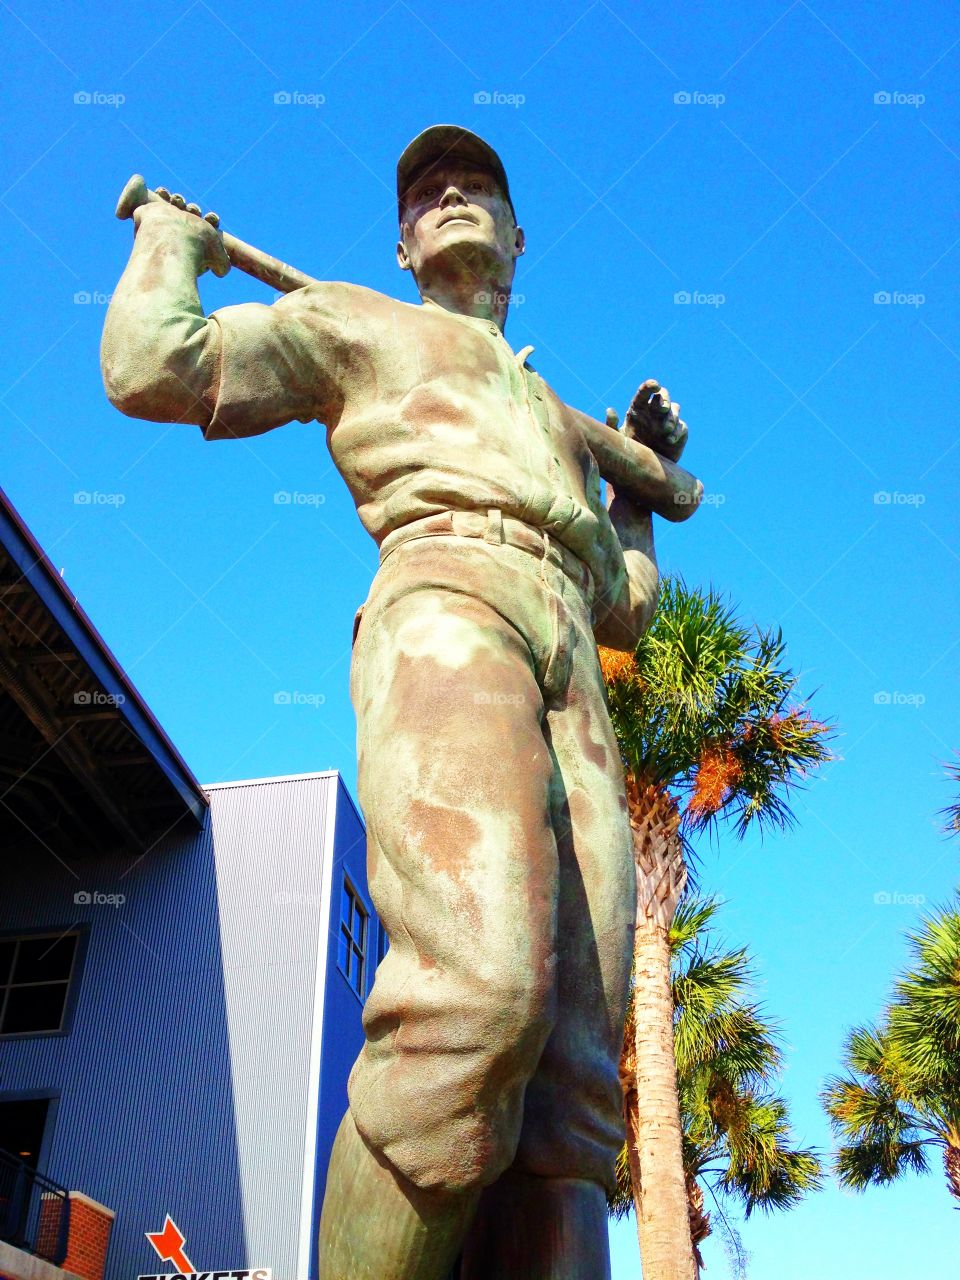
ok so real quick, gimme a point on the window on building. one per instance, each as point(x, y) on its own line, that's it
point(35, 975)
point(22, 1123)
point(354, 932)
point(383, 942)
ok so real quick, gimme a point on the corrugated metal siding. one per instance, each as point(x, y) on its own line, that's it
point(270, 839)
point(189, 1078)
point(145, 1117)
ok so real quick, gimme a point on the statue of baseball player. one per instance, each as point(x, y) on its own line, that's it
point(485, 1107)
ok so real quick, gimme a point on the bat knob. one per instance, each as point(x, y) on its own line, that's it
point(134, 194)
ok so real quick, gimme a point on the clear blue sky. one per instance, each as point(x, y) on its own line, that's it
point(797, 197)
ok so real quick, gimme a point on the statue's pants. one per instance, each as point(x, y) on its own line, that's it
point(500, 862)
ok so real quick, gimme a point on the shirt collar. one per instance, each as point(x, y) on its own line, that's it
point(489, 326)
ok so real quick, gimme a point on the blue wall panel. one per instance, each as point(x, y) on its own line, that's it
point(342, 1028)
point(145, 1117)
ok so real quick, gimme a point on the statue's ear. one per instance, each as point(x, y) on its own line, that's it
point(520, 242)
point(403, 258)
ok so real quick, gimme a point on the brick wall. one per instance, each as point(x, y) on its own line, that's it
point(89, 1237)
point(52, 1210)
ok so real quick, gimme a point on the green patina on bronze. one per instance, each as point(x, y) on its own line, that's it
point(485, 1108)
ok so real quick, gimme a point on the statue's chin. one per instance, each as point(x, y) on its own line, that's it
point(463, 249)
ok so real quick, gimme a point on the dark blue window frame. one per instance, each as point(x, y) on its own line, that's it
point(353, 939)
point(71, 983)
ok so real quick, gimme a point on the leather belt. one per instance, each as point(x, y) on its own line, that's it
point(499, 530)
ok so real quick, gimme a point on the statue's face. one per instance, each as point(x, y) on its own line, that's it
point(456, 221)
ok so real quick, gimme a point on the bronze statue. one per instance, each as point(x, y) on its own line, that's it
point(485, 1107)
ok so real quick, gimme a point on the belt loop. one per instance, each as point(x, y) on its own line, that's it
point(494, 531)
point(552, 550)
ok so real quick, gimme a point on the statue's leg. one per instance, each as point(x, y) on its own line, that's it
point(538, 1229)
point(454, 780)
point(404, 1233)
point(573, 1125)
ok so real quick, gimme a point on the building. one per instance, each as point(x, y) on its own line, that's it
point(182, 971)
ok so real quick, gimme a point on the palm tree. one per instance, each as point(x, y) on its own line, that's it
point(952, 811)
point(900, 1096)
point(708, 730)
point(736, 1132)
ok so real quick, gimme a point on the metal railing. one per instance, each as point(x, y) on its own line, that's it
point(34, 1212)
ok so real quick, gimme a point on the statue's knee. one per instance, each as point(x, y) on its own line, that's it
point(525, 1011)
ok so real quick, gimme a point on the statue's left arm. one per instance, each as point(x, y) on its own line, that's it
point(622, 621)
point(653, 421)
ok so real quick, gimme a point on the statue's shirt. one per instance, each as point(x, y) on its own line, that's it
point(426, 411)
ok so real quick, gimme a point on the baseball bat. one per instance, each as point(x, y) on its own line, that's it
point(262, 266)
point(637, 471)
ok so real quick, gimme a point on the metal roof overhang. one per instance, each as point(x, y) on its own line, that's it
point(82, 758)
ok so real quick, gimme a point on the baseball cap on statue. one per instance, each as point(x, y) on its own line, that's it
point(448, 141)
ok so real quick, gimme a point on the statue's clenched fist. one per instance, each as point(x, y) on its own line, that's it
point(654, 421)
point(203, 227)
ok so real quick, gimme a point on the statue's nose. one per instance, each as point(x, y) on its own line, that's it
point(452, 195)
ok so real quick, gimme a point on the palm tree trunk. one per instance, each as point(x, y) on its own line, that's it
point(699, 1221)
point(653, 1121)
point(663, 1225)
point(951, 1163)
point(628, 1080)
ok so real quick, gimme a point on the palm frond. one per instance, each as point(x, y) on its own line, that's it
point(766, 1170)
point(876, 1163)
point(887, 1108)
point(925, 1011)
point(620, 1199)
point(952, 811)
point(694, 915)
point(707, 707)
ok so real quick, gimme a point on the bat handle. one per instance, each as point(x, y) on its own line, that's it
point(133, 195)
point(136, 194)
point(246, 257)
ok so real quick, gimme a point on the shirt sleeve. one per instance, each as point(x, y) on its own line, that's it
point(280, 363)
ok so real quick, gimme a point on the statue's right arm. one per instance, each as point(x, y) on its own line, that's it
point(160, 355)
